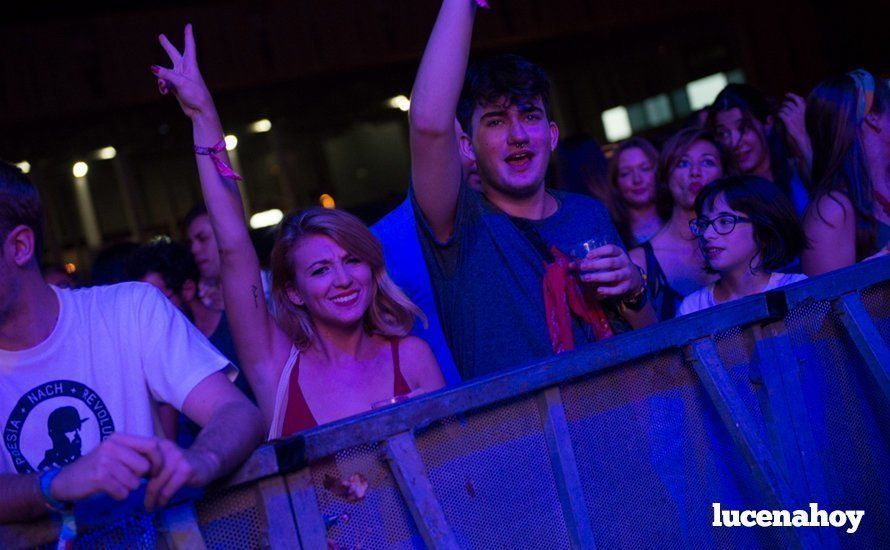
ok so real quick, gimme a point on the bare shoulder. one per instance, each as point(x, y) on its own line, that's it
point(834, 209)
point(419, 364)
point(414, 346)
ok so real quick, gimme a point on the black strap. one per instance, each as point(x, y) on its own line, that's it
point(527, 228)
point(665, 299)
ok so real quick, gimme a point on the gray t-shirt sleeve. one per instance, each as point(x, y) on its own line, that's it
point(444, 258)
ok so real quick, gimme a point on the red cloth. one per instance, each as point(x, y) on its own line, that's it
point(562, 297)
point(298, 417)
point(222, 168)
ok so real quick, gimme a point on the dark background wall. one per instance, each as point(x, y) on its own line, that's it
point(76, 78)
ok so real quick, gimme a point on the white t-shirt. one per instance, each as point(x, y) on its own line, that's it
point(115, 351)
point(703, 298)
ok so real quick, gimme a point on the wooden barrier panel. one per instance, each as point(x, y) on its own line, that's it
point(774, 402)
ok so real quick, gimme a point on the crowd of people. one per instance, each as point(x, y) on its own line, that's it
point(489, 264)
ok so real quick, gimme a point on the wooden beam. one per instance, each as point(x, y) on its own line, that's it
point(281, 526)
point(180, 527)
point(721, 391)
point(787, 420)
point(868, 340)
point(400, 452)
point(837, 283)
point(310, 523)
point(565, 469)
point(261, 464)
point(297, 451)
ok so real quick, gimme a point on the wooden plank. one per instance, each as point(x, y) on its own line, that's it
point(867, 338)
point(180, 527)
point(310, 523)
point(409, 472)
point(565, 468)
point(788, 422)
point(297, 451)
point(721, 391)
point(262, 463)
point(837, 283)
point(281, 526)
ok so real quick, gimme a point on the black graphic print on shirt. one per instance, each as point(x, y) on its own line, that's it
point(53, 424)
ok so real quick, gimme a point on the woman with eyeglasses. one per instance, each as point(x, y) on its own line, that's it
point(747, 229)
point(671, 260)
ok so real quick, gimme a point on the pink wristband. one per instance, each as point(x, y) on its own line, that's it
point(221, 167)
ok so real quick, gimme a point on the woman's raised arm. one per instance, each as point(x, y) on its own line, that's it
point(262, 346)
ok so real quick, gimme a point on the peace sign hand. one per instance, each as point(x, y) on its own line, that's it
point(184, 79)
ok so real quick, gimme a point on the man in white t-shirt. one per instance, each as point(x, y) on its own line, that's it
point(81, 372)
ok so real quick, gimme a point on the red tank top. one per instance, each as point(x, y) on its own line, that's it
point(298, 417)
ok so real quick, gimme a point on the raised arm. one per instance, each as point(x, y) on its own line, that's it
point(262, 346)
point(435, 160)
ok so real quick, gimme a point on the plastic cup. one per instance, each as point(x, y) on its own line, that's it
point(582, 249)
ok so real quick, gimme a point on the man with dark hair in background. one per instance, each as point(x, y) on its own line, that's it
point(487, 251)
point(171, 268)
point(211, 320)
point(109, 353)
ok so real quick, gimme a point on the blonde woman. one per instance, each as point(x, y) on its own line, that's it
point(338, 344)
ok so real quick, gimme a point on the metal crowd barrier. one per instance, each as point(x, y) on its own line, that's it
point(771, 402)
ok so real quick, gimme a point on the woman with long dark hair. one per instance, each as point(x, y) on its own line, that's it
point(744, 120)
point(848, 119)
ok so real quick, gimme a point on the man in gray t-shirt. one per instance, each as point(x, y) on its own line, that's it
point(488, 275)
point(486, 251)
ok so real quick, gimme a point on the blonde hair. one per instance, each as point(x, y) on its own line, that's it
point(390, 313)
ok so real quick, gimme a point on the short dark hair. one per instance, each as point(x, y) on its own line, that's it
point(506, 76)
point(778, 232)
point(20, 205)
point(193, 214)
point(171, 260)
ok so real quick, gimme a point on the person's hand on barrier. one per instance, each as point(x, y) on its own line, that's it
point(184, 79)
point(115, 467)
point(179, 467)
point(610, 269)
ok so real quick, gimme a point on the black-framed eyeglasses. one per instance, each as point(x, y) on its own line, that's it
point(723, 224)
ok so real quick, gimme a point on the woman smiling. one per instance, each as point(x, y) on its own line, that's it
point(337, 345)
